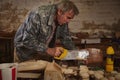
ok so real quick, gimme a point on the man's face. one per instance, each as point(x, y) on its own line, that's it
point(65, 17)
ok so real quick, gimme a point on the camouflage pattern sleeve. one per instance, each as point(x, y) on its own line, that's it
point(31, 33)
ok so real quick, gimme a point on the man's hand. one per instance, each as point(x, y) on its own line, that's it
point(55, 51)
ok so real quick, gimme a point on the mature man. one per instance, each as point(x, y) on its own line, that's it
point(42, 27)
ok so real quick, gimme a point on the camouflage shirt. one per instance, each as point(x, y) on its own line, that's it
point(36, 33)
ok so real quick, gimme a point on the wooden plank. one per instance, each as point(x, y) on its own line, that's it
point(32, 65)
point(28, 75)
point(53, 72)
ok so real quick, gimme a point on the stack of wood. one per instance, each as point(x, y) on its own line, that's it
point(86, 74)
point(40, 69)
point(31, 69)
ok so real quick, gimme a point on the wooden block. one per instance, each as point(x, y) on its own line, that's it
point(32, 65)
point(28, 75)
point(53, 72)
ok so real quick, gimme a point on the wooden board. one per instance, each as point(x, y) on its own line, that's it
point(53, 72)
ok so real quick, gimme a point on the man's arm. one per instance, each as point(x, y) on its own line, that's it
point(30, 33)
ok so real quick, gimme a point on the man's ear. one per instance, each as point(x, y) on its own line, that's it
point(59, 12)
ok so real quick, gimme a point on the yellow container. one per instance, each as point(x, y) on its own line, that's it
point(109, 67)
point(109, 61)
point(110, 50)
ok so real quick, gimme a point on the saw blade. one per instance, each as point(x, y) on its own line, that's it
point(76, 55)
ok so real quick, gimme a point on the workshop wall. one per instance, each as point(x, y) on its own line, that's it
point(96, 16)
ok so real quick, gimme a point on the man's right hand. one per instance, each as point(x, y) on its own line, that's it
point(55, 51)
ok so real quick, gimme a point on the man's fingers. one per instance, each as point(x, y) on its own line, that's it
point(59, 51)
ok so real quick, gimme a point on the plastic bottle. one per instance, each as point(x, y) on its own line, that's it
point(110, 59)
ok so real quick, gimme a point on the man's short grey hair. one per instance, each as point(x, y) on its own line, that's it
point(67, 5)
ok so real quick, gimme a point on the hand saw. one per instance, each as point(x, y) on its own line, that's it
point(73, 55)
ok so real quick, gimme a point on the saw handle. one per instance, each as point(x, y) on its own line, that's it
point(62, 55)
